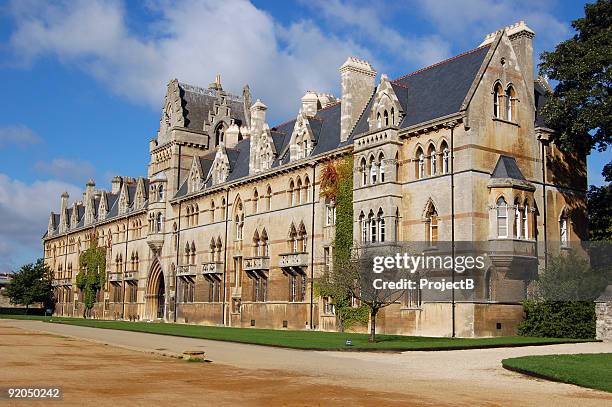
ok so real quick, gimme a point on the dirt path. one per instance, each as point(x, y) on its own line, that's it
point(257, 375)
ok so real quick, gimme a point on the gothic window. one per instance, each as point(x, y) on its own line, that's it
point(219, 134)
point(445, 158)
point(364, 227)
point(293, 239)
point(386, 117)
point(502, 217)
point(497, 95)
point(196, 214)
point(330, 213)
point(420, 168)
point(431, 225)
point(160, 193)
point(373, 171)
point(291, 188)
point(526, 219)
point(159, 226)
point(188, 216)
point(213, 250)
point(265, 244)
point(256, 244)
point(393, 116)
point(432, 160)
point(373, 227)
point(303, 238)
point(378, 120)
point(518, 219)
point(297, 198)
point(381, 167)
point(306, 197)
point(212, 211)
point(563, 229)
point(239, 222)
point(510, 104)
point(380, 217)
point(269, 198)
point(255, 201)
point(364, 172)
point(396, 225)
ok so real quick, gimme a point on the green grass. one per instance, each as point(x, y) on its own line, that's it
point(587, 370)
point(304, 339)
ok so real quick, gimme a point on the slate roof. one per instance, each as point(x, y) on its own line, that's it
point(197, 102)
point(439, 90)
point(506, 167)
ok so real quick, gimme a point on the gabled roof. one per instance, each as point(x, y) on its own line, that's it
point(506, 167)
point(197, 102)
point(439, 89)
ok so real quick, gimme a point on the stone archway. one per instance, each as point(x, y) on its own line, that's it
point(155, 295)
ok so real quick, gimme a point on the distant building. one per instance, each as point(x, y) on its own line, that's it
point(229, 228)
point(5, 279)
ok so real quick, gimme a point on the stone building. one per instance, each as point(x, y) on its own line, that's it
point(228, 227)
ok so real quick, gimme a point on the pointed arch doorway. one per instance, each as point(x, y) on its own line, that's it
point(156, 293)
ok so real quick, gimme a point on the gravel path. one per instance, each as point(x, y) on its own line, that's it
point(468, 377)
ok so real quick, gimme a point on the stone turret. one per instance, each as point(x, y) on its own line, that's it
point(63, 226)
point(258, 123)
point(357, 80)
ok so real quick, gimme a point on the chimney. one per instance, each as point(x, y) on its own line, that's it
point(258, 124)
point(310, 103)
point(357, 79)
point(116, 184)
point(231, 135)
point(63, 212)
point(521, 37)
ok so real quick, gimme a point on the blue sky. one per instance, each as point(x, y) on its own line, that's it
point(83, 81)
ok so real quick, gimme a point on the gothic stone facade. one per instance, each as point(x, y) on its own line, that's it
point(228, 227)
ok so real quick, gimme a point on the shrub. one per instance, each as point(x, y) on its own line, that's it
point(558, 319)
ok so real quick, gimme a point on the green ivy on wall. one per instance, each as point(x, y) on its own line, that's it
point(337, 186)
point(92, 274)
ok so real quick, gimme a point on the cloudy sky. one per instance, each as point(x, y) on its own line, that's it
point(83, 81)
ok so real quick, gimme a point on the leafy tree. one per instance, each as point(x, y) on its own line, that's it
point(563, 297)
point(579, 109)
point(31, 285)
point(92, 274)
point(600, 212)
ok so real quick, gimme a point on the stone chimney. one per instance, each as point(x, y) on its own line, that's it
point(357, 79)
point(231, 135)
point(63, 212)
point(521, 37)
point(116, 184)
point(310, 103)
point(258, 125)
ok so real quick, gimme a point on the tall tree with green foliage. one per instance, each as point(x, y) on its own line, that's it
point(599, 212)
point(92, 274)
point(579, 108)
point(31, 285)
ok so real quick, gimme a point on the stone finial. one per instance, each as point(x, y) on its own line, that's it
point(216, 85)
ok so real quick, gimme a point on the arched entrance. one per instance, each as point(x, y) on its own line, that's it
point(156, 293)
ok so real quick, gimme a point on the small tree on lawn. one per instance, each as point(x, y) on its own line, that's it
point(31, 285)
point(91, 277)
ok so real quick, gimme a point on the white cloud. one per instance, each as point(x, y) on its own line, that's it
point(191, 40)
point(24, 215)
point(371, 22)
point(471, 20)
point(68, 169)
point(18, 135)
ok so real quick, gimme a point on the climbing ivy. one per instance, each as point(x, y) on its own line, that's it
point(337, 186)
point(92, 274)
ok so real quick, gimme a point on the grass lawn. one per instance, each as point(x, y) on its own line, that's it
point(304, 339)
point(586, 370)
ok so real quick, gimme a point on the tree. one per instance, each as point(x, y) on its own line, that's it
point(31, 285)
point(92, 274)
point(579, 108)
point(600, 212)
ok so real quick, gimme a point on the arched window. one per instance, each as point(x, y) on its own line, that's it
point(526, 219)
point(396, 225)
point(219, 134)
point(510, 104)
point(386, 116)
point(306, 190)
point(502, 217)
point(373, 171)
point(497, 94)
point(160, 222)
point(380, 217)
point(381, 167)
point(297, 198)
point(364, 173)
point(255, 201)
point(445, 158)
point(392, 116)
point(432, 160)
point(239, 220)
point(303, 238)
point(431, 226)
point(293, 239)
point(378, 120)
point(564, 229)
point(420, 167)
point(193, 253)
point(160, 193)
point(364, 227)
point(265, 244)
point(213, 250)
point(256, 244)
point(518, 219)
point(291, 196)
point(269, 198)
point(373, 227)
point(212, 211)
point(188, 216)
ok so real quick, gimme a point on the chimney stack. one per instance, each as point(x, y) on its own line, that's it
point(310, 103)
point(231, 135)
point(357, 79)
point(116, 184)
